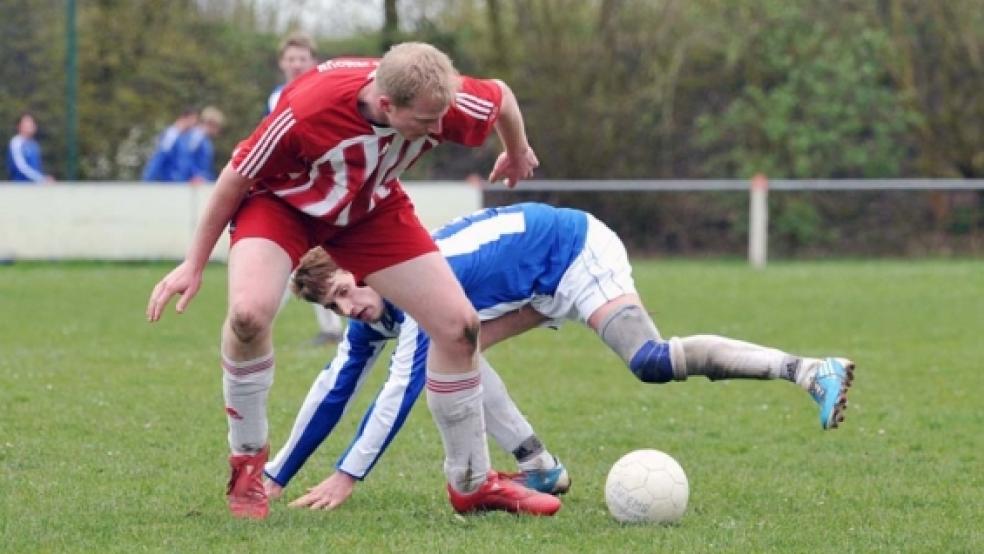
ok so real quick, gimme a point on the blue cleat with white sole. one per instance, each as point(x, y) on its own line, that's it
point(830, 383)
point(551, 481)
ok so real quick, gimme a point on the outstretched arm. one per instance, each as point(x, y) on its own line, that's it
point(186, 279)
point(382, 421)
point(327, 400)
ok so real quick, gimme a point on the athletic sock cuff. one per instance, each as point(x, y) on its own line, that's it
point(446, 383)
point(248, 367)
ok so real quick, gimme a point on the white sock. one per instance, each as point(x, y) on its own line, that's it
point(807, 370)
point(507, 425)
point(723, 358)
point(245, 386)
point(455, 402)
point(540, 460)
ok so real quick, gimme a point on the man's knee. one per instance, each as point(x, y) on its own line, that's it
point(459, 332)
point(631, 334)
point(652, 362)
point(247, 323)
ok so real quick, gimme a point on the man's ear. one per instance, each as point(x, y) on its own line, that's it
point(385, 103)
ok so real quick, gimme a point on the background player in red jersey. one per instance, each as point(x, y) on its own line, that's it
point(323, 168)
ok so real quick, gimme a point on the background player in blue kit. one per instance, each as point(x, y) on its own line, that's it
point(165, 165)
point(521, 266)
point(24, 153)
point(194, 150)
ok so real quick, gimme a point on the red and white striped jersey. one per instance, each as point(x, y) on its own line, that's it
point(317, 152)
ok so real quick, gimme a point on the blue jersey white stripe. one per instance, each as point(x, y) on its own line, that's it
point(332, 392)
point(507, 255)
point(392, 405)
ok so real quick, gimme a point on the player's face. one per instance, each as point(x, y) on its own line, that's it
point(346, 298)
point(422, 117)
point(212, 128)
point(296, 61)
point(26, 126)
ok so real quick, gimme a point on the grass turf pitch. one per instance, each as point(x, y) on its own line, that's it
point(112, 434)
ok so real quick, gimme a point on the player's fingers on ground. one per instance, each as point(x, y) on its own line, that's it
point(301, 502)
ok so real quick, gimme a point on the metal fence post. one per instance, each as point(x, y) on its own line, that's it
point(758, 221)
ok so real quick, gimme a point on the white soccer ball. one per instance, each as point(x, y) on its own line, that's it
point(647, 486)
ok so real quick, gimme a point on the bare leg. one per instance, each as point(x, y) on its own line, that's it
point(258, 270)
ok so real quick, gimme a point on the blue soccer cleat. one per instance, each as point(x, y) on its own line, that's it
point(551, 481)
point(831, 380)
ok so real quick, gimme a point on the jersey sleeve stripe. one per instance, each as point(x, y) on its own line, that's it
point(265, 146)
point(329, 397)
point(477, 102)
point(17, 153)
point(388, 412)
point(255, 159)
point(475, 107)
point(473, 113)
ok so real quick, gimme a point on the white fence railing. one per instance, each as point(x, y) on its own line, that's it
point(758, 187)
point(137, 221)
point(141, 221)
point(684, 185)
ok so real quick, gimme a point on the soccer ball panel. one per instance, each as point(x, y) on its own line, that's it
point(647, 486)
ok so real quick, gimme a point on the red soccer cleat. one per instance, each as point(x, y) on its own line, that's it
point(247, 498)
point(500, 493)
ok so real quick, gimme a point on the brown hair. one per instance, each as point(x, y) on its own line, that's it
point(412, 69)
point(298, 40)
point(311, 278)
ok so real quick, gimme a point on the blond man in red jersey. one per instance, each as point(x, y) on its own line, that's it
point(323, 169)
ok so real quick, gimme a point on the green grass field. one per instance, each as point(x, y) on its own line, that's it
point(112, 433)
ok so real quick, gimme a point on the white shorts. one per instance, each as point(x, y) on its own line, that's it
point(598, 275)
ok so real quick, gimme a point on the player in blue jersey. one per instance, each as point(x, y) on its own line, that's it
point(194, 152)
point(521, 266)
point(166, 164)
point(24, 153)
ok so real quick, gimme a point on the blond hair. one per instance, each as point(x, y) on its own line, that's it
point(211, 114)
point(416, 69)
point(311, 278)
point(298, 40)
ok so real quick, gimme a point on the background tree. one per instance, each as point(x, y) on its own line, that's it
point(32, 74)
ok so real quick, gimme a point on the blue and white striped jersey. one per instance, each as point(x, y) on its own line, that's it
point(24, 160)
point(503, 257)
